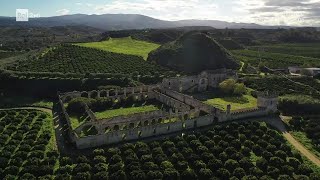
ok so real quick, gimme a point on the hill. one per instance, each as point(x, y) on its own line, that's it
point(193, 53)
point(124, 21)
point(125, 45)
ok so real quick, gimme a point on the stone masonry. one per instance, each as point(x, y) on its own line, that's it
point(188, 112)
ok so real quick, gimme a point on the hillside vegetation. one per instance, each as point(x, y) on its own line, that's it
point(125, 45)
point(274, 60)
point(193, 53)
point(298, 49)
point(81, 60)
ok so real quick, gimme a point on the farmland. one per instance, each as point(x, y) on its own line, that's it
point(28, 144)
point(235, 150)
point(124, 45)
point(297, 49)
point(274, 60)
point(81, 60)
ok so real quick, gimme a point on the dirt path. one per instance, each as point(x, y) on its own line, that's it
point(277, 123)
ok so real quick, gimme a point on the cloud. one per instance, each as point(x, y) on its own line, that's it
point(63, 11)
point(289, 12)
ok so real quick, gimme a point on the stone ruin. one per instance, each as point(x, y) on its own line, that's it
point(189, 112)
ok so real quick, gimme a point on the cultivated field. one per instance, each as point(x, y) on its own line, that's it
point(298, 49)
point(124, 45)
point(81, 60)
point(274, 60)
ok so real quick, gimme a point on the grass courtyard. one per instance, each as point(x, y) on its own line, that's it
point(221, 101)
point(125, 45)
point(125, 111)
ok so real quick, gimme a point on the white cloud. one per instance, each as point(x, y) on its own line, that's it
point(63, 11)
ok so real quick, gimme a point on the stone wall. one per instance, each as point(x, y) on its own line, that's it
point(142, 132)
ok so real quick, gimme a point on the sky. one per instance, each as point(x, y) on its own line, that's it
point(264, 12)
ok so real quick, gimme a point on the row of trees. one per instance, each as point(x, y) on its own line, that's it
point(82, 60)
point(223, 152)
point(24, 145)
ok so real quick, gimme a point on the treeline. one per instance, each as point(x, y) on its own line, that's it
point(299, 104)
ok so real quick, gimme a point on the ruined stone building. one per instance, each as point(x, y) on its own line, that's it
point(188, 112)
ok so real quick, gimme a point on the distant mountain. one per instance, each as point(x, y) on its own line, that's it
point(124, 22)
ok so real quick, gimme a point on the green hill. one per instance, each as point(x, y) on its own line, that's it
point(192, 53)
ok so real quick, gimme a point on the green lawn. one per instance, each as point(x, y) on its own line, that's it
point(245, 101)
point(124, 111)
point(77, 120)
point(124, 45)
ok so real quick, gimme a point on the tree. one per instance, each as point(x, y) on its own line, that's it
point(189, 174)
point(239, 172)
point(224, 174)
point(137, 175)
point(205, 174)
point(227, 86)
point(239, 89)
point(170, 174)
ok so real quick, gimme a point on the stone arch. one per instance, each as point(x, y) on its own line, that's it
point(103, 94)
point(146, 97)
point(116, 128)
point(112, 92)
point(124, 127)
point(202, 81)
point(124, 137)
point(107, 129)
point(67, 99)
point(153, 122)
point(131, 125)
point(94, 94)
point(89, 130)
point(183, 125)
point(146, 123)
point(84, 94)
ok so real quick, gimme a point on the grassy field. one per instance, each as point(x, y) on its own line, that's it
point(124, 45)
point(125, 111)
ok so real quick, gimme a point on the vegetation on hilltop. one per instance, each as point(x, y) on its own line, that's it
point(125, 45)
point(193, 53)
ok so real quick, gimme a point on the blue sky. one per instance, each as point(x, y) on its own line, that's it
point(268, 12)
